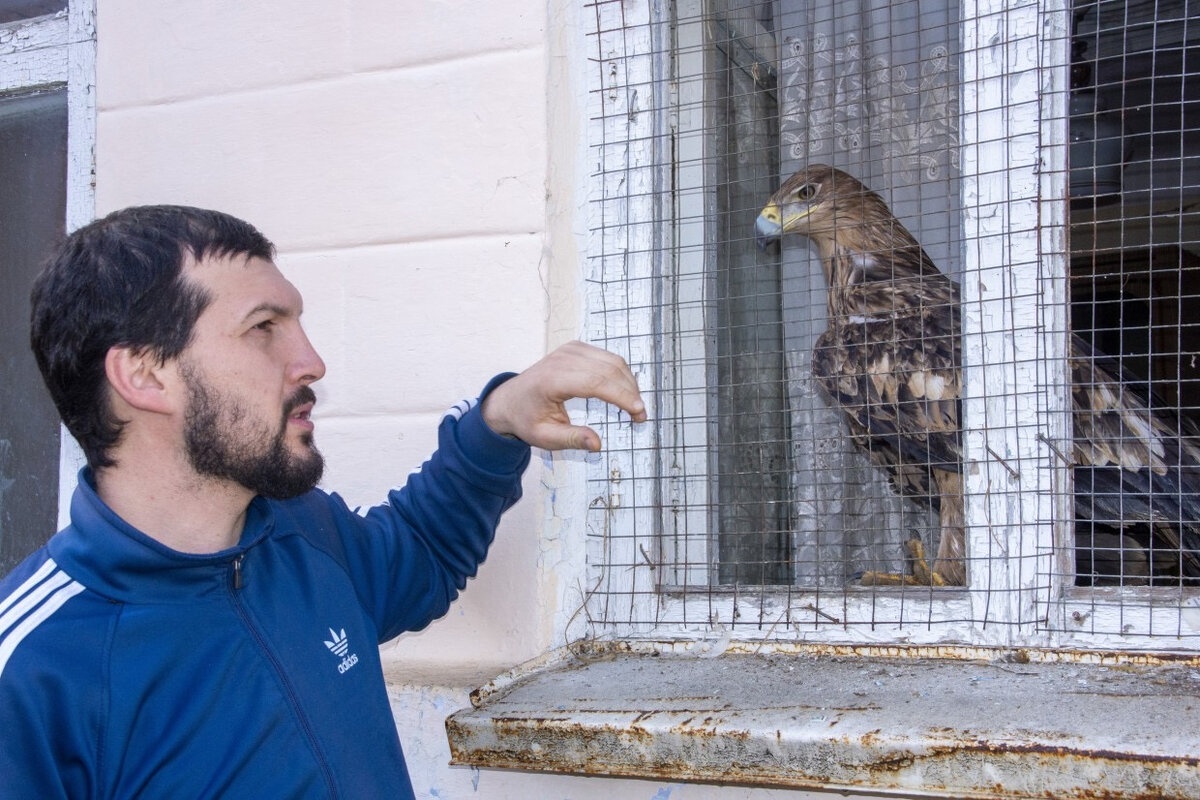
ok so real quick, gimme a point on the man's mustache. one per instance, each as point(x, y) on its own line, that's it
point(303, 395)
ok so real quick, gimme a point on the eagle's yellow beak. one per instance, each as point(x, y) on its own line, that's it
point(768, 228)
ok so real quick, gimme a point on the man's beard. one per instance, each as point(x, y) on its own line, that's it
point(223, 442)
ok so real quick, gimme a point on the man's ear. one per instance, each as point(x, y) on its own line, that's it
point(138, 378)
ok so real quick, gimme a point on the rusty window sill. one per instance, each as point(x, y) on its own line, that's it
point(903, 725)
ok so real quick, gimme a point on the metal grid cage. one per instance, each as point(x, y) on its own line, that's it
point(941, 385)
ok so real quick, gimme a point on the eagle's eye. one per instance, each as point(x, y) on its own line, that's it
point(806, 192)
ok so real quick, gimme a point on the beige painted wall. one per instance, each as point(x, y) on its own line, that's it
point(398, 161)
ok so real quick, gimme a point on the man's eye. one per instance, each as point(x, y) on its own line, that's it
point(266, 324)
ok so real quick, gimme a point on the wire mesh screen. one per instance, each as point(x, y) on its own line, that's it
point(906, 284)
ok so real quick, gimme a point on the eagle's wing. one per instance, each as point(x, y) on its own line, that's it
point(1133, 462)
point(893, 371)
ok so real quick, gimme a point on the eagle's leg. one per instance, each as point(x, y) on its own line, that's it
point(922, 574)
point(950, 566)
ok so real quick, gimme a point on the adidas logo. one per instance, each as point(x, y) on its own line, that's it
point(339, 647)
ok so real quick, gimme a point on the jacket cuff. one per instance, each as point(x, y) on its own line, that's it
point(490, 450)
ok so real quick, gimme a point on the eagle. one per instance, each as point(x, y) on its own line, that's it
point(889, 360)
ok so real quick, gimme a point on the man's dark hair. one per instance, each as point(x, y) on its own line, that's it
point(118, 282)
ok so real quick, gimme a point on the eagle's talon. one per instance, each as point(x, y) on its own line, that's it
point(873, 578)
point(922, 574)
point(895, 579)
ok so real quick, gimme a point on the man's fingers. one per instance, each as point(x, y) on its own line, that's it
point(530, 405)
point(562, 436)
point(623, 392)
point(626, 398)
point(604, 376)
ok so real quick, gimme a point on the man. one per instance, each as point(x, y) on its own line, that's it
point(207, 625)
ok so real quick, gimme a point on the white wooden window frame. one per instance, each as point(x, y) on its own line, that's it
point(58, 51)
point(1016, 409)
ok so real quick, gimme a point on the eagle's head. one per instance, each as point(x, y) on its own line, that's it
point(820, 202)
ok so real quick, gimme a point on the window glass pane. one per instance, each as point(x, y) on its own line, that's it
point(1134, 185)
point(33, 168)
point(13, 10)
point(794, 84)
point(754, 470)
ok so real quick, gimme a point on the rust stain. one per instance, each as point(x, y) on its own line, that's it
point(955, 652)
point(876, 777)
point(596, 749)
point(871, 738)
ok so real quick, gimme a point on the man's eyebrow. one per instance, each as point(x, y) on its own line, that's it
point(274, 308)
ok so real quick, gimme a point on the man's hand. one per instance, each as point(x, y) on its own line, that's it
point(531, 406)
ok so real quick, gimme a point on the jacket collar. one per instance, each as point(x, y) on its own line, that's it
point(108, 555)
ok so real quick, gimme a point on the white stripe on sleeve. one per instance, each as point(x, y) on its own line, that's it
point(458, 410)
point(31, 581)
point(40, 601)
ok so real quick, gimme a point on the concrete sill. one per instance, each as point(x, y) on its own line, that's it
point(909, 725)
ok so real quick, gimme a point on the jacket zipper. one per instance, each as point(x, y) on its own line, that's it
point(236, 583)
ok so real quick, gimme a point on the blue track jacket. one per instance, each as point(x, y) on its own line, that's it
point(131, 670)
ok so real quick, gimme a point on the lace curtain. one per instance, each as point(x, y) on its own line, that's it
point(871, 92)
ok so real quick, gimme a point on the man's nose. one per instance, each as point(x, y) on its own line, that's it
point(308, 366)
